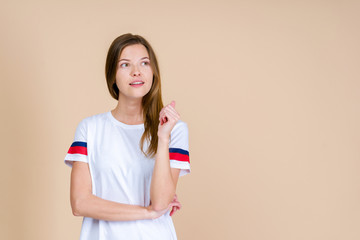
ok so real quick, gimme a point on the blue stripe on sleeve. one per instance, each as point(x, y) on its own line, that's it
point(178, 150)
point(81, 144)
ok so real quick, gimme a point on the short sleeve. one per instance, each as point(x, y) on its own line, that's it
point(179, 148)
point(78, 149)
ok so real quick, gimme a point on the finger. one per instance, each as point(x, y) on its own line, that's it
point(171, 109)
point(166, 107)
point(171, 116)
point(169, 106)
point(174, 210)
point(162, 118)
point(161, 121)
point(175, 204)
point(165, 117)
point(163, 114)
point(173, 112)
point(172, 103)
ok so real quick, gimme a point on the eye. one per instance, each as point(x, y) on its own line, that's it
point(146, 63)
point(121, 65)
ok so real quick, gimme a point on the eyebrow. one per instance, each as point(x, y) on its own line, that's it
point(124, 59)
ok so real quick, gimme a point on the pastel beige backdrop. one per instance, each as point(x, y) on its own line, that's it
point(270, 91)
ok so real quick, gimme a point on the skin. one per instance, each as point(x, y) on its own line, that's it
point(164, 180)
point(129, 109)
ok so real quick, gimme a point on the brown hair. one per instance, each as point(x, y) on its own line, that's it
point(152, 101)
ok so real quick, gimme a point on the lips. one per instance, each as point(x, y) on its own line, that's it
point(136, 81)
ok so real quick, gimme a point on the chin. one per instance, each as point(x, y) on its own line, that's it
point(137, 95)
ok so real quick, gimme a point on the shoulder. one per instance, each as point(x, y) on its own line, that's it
point(93, 119)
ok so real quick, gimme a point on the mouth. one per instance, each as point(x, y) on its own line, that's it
point(137, 84)
point(134, 83)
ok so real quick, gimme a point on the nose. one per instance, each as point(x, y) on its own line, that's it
point(135, 71)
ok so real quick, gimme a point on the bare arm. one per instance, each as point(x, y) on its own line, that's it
point(164, 178)
point(84, 203)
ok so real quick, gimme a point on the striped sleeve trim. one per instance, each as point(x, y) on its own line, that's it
point(179, 154)
point(78, 148)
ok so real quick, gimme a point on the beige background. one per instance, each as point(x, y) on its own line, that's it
point(270, 91)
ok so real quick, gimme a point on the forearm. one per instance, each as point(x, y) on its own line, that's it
point(162, 188)
point(98, 208)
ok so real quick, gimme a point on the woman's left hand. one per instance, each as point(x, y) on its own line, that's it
point(168, 118)
point(177, 207)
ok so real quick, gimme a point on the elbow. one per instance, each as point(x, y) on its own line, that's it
point(79, 204)
point(76, 208)
point(163, 203)
point(76, 212)
point(160, 206)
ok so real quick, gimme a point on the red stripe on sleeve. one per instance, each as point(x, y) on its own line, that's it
point(78, 150)
point(179, 157)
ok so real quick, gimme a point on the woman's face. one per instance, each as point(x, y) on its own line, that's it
point(134, 65)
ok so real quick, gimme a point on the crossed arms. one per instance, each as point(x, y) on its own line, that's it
point(162, 192)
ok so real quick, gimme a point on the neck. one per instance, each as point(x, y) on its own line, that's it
point(129, 111)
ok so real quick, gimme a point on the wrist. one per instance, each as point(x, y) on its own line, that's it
point(164, 140)
point(149, 213)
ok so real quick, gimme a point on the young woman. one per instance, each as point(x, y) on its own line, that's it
point(126, 162)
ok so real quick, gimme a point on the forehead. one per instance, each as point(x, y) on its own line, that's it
point(135, 51)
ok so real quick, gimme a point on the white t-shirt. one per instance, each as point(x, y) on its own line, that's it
point(120, 172)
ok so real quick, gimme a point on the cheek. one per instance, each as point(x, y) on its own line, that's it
point(120, 75)
point(149, 74)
